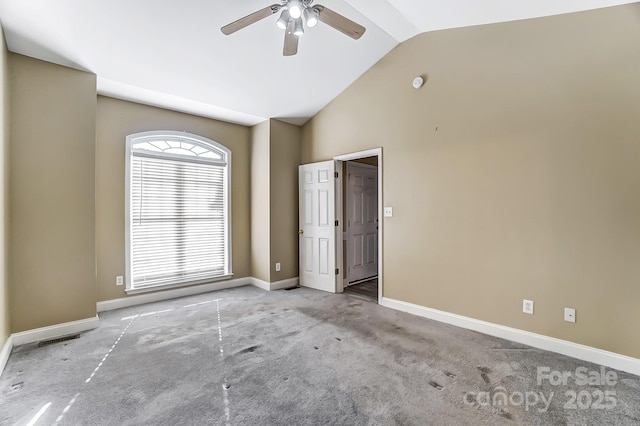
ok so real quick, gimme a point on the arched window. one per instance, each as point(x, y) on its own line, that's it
point(177, 210)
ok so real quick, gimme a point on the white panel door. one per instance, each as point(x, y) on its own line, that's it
point(362, 222)
point(317, 243)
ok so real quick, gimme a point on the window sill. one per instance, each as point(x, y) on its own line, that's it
point(130, 291)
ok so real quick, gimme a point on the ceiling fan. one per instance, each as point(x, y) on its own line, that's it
point(296, 14)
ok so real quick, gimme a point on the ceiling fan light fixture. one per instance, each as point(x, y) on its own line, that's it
point(311, 17)
point(295, 8)
point(298, 28)
point(295, 15)
point(283, 20)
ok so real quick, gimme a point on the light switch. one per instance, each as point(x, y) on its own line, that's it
point(388, 212)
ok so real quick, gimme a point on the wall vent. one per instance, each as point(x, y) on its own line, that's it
point(58, 340)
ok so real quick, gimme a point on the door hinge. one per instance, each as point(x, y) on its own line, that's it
point(336, 173)
point(337, 271)
point(336, 223)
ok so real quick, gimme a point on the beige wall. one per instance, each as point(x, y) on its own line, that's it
point(260, 211)
point(275, 156)
point(52, 148)
point(284, 160)
point(117, 119)
point(5, 329)
point(513, 173)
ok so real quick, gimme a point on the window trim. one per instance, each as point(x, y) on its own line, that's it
point(140, 137)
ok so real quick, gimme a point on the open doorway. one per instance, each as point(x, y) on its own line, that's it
point(360, 233)
point(359, 208)
point(322, 225)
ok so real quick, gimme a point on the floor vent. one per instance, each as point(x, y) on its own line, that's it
point(292, 288)
point(58, 340)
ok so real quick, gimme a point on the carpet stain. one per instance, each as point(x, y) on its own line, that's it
point(484, 374)
point(505, 414)
point(329, 317)
point(436, 385)
point(250, 349)
point(290, 334)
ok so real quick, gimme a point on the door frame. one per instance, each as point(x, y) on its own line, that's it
point(375, 152)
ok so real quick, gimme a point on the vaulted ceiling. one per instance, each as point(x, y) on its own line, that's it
point(172, 53)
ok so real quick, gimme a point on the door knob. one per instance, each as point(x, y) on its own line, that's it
point(300, 232)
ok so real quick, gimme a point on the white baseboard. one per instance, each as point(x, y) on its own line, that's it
point(53, 331)
point(276, 285)
point(260, 283)
point(564, 347)
point(4, 354)
point(141, 299)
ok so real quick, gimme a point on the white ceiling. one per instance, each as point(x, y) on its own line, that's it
point(172, 53)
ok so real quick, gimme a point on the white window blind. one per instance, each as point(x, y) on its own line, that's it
point(178, 212)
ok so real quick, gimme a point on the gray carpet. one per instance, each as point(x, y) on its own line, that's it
point(301, 357)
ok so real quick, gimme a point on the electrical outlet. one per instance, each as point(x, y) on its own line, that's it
point(527, 306)
point(119, 280)
point(278, 267)
point(388, 212)
point(569, 314)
